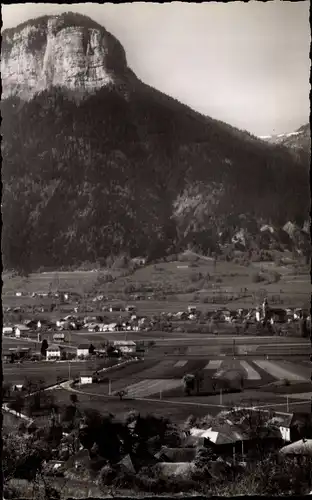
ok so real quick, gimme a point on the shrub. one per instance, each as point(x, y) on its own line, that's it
point(107, 476)
point(195, 277)
point(257, 278)
point(193, 264)
point(276, 277)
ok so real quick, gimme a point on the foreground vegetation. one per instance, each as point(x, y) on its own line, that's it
point(118, 456)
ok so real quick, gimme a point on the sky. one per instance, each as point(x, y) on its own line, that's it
point(244, 63)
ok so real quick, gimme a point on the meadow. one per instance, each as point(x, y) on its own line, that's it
point(171, 286)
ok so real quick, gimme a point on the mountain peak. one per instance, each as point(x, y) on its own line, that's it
point(67, 50)
point(299, 139)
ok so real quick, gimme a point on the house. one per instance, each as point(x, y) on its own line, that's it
point(181, 316)
point(18, 387)
point(83, 350)
point(125, 346)
point(294, 426)
point(21, 330)
point(116, 308)
point(7, 356)
point(130, 308)
point(85, 379)
point(93, 327)
point(59, 337)
point(7, 330)
point(191, 309)
point(140, 261)
point(53, 352)
point(278, 315)
point(126, 464)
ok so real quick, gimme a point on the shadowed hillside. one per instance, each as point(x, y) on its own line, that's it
point(129, 169)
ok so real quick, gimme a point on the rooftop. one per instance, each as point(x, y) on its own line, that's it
point(124, 342)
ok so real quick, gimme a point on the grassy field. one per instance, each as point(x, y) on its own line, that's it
point(48, 371)
point(150, 377)
point(179, 408)
point(180, 282)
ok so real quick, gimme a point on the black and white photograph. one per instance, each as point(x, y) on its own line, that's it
point(156, 250)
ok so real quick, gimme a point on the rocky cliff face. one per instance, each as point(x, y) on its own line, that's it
point(62, 51)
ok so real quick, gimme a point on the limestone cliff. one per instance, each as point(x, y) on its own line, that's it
point(68, 50)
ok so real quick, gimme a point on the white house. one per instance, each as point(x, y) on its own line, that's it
point(83, 350)
point(20, 330)
point(130, 308)
point(125, 346)
point(191, 309)
point(6, 330)
point(85, 379)
point(111, 327)
point(53, 352)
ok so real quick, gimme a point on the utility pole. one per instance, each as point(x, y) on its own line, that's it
point(287, 400)
point(109, 387)
point(220, 396)
point(68, 370)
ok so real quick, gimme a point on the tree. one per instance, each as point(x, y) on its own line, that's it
point(106, 476)
point(91, 349)
point(18, 403)
point(29, 385)
point(44, 347)
point(203, 456)
point(6, 390)
point(189, 383)
point(74, 399)
point(102, 430)
point(199, 378)
point(122, 393)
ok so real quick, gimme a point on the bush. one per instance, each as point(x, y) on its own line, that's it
point(10, 492)
point(107, 476)
point(195, 277)
point(257, 278)
point(276, 277)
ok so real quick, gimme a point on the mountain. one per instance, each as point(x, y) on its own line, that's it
point(300, 139)
point(95, 162)
point(298, 142)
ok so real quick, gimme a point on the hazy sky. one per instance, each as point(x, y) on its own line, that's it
point(243, 63)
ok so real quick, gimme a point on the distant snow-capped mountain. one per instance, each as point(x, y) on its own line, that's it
point(299, 139)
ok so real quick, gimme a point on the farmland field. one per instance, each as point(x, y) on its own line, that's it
point(147, 378)
point(179, 408)
point(48, 371)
